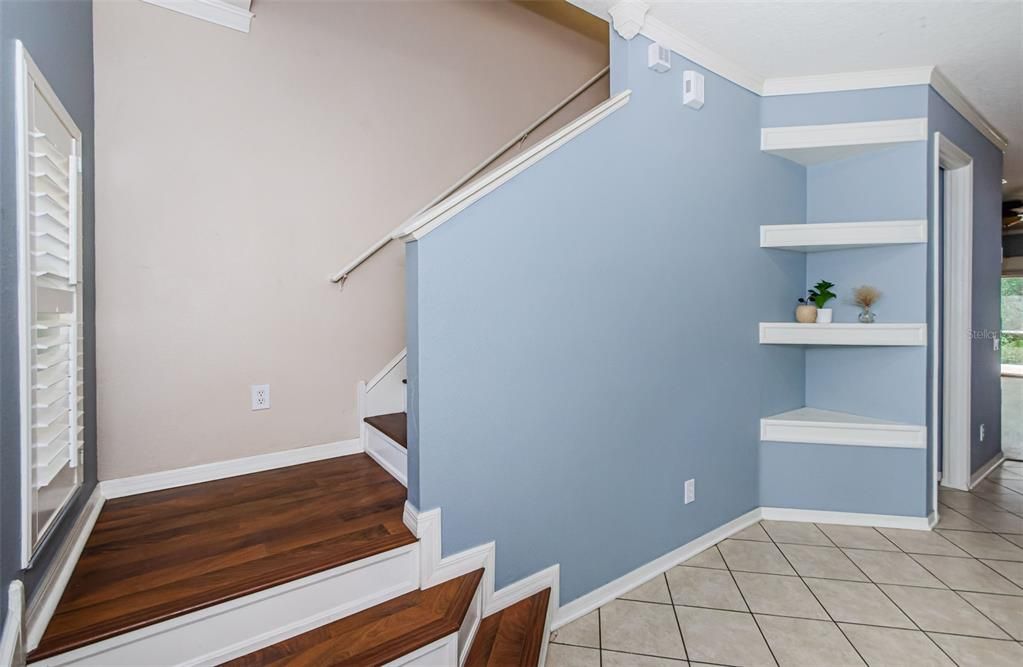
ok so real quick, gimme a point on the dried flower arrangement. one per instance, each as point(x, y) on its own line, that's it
point(866, 296)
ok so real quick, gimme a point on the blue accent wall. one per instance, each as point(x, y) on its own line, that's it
point(58, 35)
point(587, 337)
point(987, 264)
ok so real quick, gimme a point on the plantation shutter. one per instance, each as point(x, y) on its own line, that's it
point(50, 221)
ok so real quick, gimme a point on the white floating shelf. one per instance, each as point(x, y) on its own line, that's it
point(794, 333)
point(842, 235)
point(826, 427)
point(813, 144)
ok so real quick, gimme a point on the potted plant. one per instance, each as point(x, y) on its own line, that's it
point(865, 297)
point(806, 311)
point(820, 295)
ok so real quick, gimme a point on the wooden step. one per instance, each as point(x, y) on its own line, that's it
point(394, 426)
point(513, 637)
point(157, 556)
point(379, 634)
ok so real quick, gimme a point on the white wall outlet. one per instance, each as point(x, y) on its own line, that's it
point(260, 396)
point(982, 433)
point(692, 89)
point(658, 58)
point(690, 491)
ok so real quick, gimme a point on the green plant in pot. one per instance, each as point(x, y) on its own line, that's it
point(820, 295)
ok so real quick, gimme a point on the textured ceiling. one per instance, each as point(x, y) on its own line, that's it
point(978, 46)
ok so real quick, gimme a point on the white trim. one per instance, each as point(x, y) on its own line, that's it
point(51, 587)
point(813, 144)
point(958, 101)
point(953, 295)
point(842, 81)
point(628, 17)
point(11, 647)
point(816, 237)
point(444, 651)
point(847, 518)
point(386, 369)
point(213, 11)
point(168, 479)
point(240, 626)
point(470, 624)
point(986, 469)
point(432, 218)
point(391, 456)
point(611, 590)
point(827, 427)
point(843, 333)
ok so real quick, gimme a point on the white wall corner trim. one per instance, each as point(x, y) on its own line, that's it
point(47, 595)
point(434, 217)
point(11, 645)
point(234, 15)
point(628, 17)
point(168, 479)
point(847, 518)
point(986, 469)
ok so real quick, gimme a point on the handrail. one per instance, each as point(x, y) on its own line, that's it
point(341, 275)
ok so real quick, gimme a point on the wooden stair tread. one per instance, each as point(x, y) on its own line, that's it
point(394, 426)
point(379, 634)
point(155, 556)
point(513, 637)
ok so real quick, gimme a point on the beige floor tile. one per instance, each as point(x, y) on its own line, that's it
point(1006, 502)
point(584, 631)
point(974, 652)
point(1005, 610)
point(942, 611)
point(892, 568)
point(1000, 522)
point(962, 501)
point(1010, 570)
point(967, 574)
point(640, 627)
point(949, 519)
point(890, 647)
point(615, 659)
point(723, 637)
point(704, 588)
point(782, 596)
point(1015, 539)
point(922, 542)
point(857, 537)
point(794, 532)
point(984, 545)
point(561, 655)
point(797, 642)
point(822, 562)
point(655, 590)
point(1004, 473)
point(754, 557)
point(855, 602)
point(754, 532)
point(708, 558)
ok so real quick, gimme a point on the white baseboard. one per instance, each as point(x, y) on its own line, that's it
point(51, 587)
point(847, 518)
point(986, 469)
point(169, 479)
point(583, 605)
point(11, 646)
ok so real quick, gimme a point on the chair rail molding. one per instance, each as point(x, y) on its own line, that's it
point(628, 17)
point(232, 14)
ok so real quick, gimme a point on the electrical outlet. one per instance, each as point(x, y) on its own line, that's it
point(690, 491)
point(982, 433)
point(260, 396)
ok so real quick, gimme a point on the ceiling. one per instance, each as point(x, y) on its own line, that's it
point(978, 46)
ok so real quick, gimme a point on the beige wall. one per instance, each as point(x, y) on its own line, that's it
point(235, 173)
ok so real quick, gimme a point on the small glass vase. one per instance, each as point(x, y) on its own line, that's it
point(867, 316)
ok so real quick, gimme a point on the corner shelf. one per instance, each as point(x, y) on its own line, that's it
point(843, 333)
point(826, 427)
point(813, 144)
point(817, 237)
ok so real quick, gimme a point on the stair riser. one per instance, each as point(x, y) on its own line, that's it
point(238, 627)
point(391, 456)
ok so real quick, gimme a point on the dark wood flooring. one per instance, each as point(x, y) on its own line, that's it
point(159, 555)
point(394, 426)
point(513, 637)
point(379, 634)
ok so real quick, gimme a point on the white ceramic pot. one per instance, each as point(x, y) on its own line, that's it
point(823, 316)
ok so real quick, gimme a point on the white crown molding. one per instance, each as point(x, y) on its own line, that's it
point(947, 90)
point(11, 646)
point(628, 17)
point(169, 479)
point(841, 81)
point(228, 14)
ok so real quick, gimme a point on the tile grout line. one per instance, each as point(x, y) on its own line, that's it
point(674, 611)
point(735, 582)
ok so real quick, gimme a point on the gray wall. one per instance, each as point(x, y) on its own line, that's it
point(58, 35)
